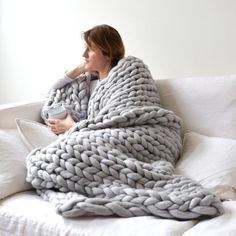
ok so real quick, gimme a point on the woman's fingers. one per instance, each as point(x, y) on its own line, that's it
point(60, 126)
point(52, 121)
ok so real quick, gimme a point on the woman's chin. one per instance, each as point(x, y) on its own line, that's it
point(88, 68)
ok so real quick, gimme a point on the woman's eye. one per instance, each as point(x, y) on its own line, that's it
point(88, 49)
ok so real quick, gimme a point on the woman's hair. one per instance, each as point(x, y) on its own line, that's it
point(108, 40)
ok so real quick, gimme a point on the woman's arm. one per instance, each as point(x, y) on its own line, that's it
point(60, 126)
point(75, 72)
point(61, 82)
point(69, 77)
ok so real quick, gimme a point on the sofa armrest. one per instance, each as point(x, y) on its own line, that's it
point(26, 110)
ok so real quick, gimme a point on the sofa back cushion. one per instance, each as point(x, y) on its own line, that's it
point(28, 110)
point(13, 165)
point(207, 105)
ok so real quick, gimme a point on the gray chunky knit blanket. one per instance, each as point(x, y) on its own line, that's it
point(120, 158)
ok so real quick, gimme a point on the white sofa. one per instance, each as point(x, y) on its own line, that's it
point(207, 106)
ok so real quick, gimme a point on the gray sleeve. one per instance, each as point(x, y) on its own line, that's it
point(61, 82)
point(66, 80)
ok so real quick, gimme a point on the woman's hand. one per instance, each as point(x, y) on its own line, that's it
point(75, 72)
point(59, 126)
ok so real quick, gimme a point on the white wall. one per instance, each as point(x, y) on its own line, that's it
point(39, 39)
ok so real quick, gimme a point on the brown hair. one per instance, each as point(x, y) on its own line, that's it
point(108, 40)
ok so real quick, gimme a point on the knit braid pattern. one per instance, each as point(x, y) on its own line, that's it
point(73, 97)
point(121, 159)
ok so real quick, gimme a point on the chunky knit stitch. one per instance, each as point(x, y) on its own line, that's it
point(120, 159)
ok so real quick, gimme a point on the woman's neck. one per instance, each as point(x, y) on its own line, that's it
point(103, 73)
point(102, 76)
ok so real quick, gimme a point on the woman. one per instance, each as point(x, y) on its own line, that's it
point(119, 156)
point(103, 49)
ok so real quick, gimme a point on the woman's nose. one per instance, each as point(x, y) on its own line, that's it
point(85, 54)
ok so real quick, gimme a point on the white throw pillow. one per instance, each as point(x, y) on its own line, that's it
point(211, 161)
point(35, 134)
point(12, 168)
point(207, 105)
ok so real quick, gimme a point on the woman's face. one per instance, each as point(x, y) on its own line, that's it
point(95, 60)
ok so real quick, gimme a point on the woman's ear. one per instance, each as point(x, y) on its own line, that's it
point(109, 60)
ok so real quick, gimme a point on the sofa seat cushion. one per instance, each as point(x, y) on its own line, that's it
point(218, 226)
point(27, 214)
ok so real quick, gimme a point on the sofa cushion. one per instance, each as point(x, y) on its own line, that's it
point(211, 161)
point(29, 215)
point(218, 226)
point(12, 167)
point(34, 134)
point(28, 110)
point(207, 105)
